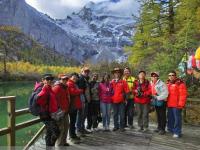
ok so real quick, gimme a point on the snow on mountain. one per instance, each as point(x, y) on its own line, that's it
point(97, 32)
point(103, 25)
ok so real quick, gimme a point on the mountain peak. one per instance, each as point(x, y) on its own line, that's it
point(115, 1)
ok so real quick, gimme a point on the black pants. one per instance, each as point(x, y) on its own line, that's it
point(72, 126)
point(93, 113)
point(52, 131)
point(129, 112)
point(161, 116)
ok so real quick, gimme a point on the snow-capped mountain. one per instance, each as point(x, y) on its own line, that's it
point(98, 32)
point(100, 24)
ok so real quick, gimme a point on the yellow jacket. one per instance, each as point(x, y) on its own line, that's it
point(130, 81)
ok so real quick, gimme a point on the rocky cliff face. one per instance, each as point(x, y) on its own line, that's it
point(95, 33)
point(108, 30)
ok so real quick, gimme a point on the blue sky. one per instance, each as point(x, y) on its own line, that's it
point(62, 8)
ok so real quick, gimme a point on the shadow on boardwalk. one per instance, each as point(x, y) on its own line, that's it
point(134, 140)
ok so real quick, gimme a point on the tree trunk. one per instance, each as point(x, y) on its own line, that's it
point(171, 17)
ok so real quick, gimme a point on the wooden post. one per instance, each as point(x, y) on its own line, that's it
point(11, 122)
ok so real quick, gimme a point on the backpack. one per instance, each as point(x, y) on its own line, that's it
point(34, 108)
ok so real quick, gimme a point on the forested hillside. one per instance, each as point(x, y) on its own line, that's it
point(16, 46)
point(166, 31)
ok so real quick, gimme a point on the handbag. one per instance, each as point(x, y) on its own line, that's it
point(155, 102)
point(58, 115)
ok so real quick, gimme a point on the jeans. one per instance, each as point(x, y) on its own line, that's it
point(143, 115)
point(81, 116)
point(161, 116)
point(174, 124)
point(129, 112)
point(72, 126)
point(119, 115)
point(93, 113)
point(106, 113)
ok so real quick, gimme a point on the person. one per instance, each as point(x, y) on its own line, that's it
point(48, 103)
point(142, 93)
point(75, 105)
point(129, 108)
point(94, 105)
point(120, 89)
point(175, 103)
point(62, 96)
point(83, 83)
point(105, 95)
point(159, 96)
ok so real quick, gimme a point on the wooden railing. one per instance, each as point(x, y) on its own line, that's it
point(12, 127)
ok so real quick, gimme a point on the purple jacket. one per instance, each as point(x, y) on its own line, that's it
point(105, 92)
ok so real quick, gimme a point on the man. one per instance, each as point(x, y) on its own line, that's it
point(48, 103)
point(159, 96)
point(175, 103)
point(129, 108)
point(142, 93)
point(62, 96)
point(83, 83)
point(94, 105)
point(120, 88)
point(75, 105)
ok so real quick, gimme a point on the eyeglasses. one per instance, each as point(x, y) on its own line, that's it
point(171, 75)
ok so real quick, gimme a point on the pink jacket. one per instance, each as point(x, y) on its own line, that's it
point(105, 92)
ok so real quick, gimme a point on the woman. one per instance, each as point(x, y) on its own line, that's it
point(105, 95)
point(159, 95)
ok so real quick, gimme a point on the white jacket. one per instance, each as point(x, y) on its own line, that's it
point(161, 90)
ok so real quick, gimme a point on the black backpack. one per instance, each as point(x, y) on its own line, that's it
point(34, 108)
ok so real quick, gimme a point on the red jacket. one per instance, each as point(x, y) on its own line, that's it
point(177, 94)
point(145, 90)
point(45, 95)
point(120, 88)
point(74, 92)
point(62, 96)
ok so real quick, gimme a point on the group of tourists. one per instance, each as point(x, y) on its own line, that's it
point(66, 105)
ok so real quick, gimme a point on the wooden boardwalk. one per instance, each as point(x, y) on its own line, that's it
point(133, 140)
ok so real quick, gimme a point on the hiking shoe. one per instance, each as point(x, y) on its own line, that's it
point(145, 130)
point(86, 132)
point(162, 132)
point(122, 130)
point(140, 129)
point(78, 138)
point(131, 127)
point(156, 130)
point(81, 134)
point(75, 141)
point(66, 144)
point(176, 136)
point(115, 129)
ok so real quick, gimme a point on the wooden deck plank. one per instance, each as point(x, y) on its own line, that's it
point(134, 140)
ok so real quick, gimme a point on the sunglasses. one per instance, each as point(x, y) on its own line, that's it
point(49, 78)
point(171, 75)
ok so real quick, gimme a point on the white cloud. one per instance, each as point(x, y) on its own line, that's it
point(125, 6)
point(62, 8)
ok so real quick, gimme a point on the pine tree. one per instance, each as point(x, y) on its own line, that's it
point(166, 30)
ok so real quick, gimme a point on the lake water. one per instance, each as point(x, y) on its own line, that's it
point(22, 91)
